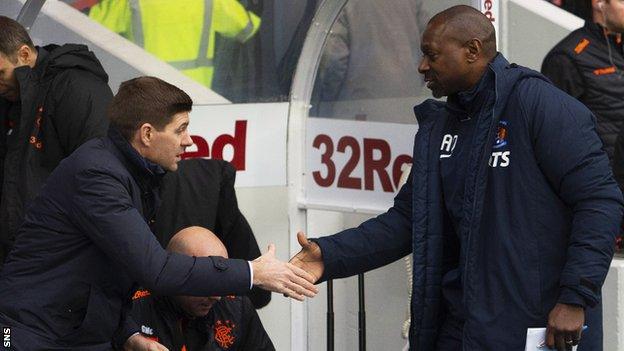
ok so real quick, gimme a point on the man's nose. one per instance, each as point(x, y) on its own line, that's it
point(423, 66)
point(187, 140)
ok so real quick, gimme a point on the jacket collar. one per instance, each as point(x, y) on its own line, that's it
point(139, 165)
point(599, 31)
point(470, 101)
point(25, 74)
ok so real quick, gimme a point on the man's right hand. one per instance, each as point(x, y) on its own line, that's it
point(271, 274)
point(310, 258)
point(138, 342)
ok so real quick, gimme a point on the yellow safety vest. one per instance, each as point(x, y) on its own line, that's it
point(182, 32)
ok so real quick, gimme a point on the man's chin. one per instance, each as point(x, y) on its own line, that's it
point(437, 93)
point(435, 90)
point(172, 167)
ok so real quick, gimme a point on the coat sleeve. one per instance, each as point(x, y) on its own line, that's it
point(570, 155)
point(375, 243)
point(81, 102)
point(560, 69)
point(102, 208)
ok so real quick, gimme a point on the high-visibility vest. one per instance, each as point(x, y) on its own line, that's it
point(181, 32)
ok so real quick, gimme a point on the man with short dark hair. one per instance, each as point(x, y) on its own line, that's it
point(198, 323)
point(510, 210)
point(86, 240)
point(52, 99)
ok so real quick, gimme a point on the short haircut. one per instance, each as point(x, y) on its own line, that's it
point(12, 37)
point(146, 100)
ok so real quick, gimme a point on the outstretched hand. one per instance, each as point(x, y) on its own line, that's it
point(281, 277)
point(310, 258)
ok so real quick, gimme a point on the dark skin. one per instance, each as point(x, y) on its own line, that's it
point(458, 45)
point(451, 63)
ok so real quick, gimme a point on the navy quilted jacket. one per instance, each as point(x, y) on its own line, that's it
point(536, 232)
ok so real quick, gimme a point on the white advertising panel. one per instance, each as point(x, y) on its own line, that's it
point(355, 164)
point(250, 136)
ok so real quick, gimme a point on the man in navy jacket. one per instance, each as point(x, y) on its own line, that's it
point(510, 210)
point(86, 241)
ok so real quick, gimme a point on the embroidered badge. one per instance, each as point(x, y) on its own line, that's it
point(501, 135)
point(140, 294)
point(223, 333)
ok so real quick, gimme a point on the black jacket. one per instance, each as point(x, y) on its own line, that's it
point(232, 324)
point(63, 102)
point(581, 66)
point(201, 193)
point(85, 244)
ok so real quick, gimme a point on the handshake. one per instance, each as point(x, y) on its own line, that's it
point(293, 279)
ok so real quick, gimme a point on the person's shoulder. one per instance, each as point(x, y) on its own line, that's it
point(73, 68)
point(73, 80)
point(429, 109)
point(209, 172)
point(97, 156)
point(210, 166)
point(572, 44)
point(539, 86)
point(538, 94)
point(93, 151)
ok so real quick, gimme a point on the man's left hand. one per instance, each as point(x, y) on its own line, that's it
point(138, 342)
point(565, 323)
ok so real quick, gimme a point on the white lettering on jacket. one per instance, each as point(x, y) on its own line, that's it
point(448, 145)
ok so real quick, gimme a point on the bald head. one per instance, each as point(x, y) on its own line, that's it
point(458, 45)
point(197, 241)
point(464, 23)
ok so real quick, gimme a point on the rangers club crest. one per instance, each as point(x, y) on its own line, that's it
point(223, 333)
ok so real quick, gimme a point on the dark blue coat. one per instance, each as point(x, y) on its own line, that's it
point(85, 244)
point(534, 233)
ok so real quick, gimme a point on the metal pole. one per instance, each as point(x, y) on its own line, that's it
point(28, 13)
point(330, 315)
point(361, 313)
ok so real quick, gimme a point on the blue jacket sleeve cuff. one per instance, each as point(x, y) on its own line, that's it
point(570, 297)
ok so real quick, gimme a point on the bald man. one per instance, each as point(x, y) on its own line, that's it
point(199, 323)
point(510, 210)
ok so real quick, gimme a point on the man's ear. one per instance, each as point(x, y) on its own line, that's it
point(474, 48)
point(146, 134)
point(26, 56)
